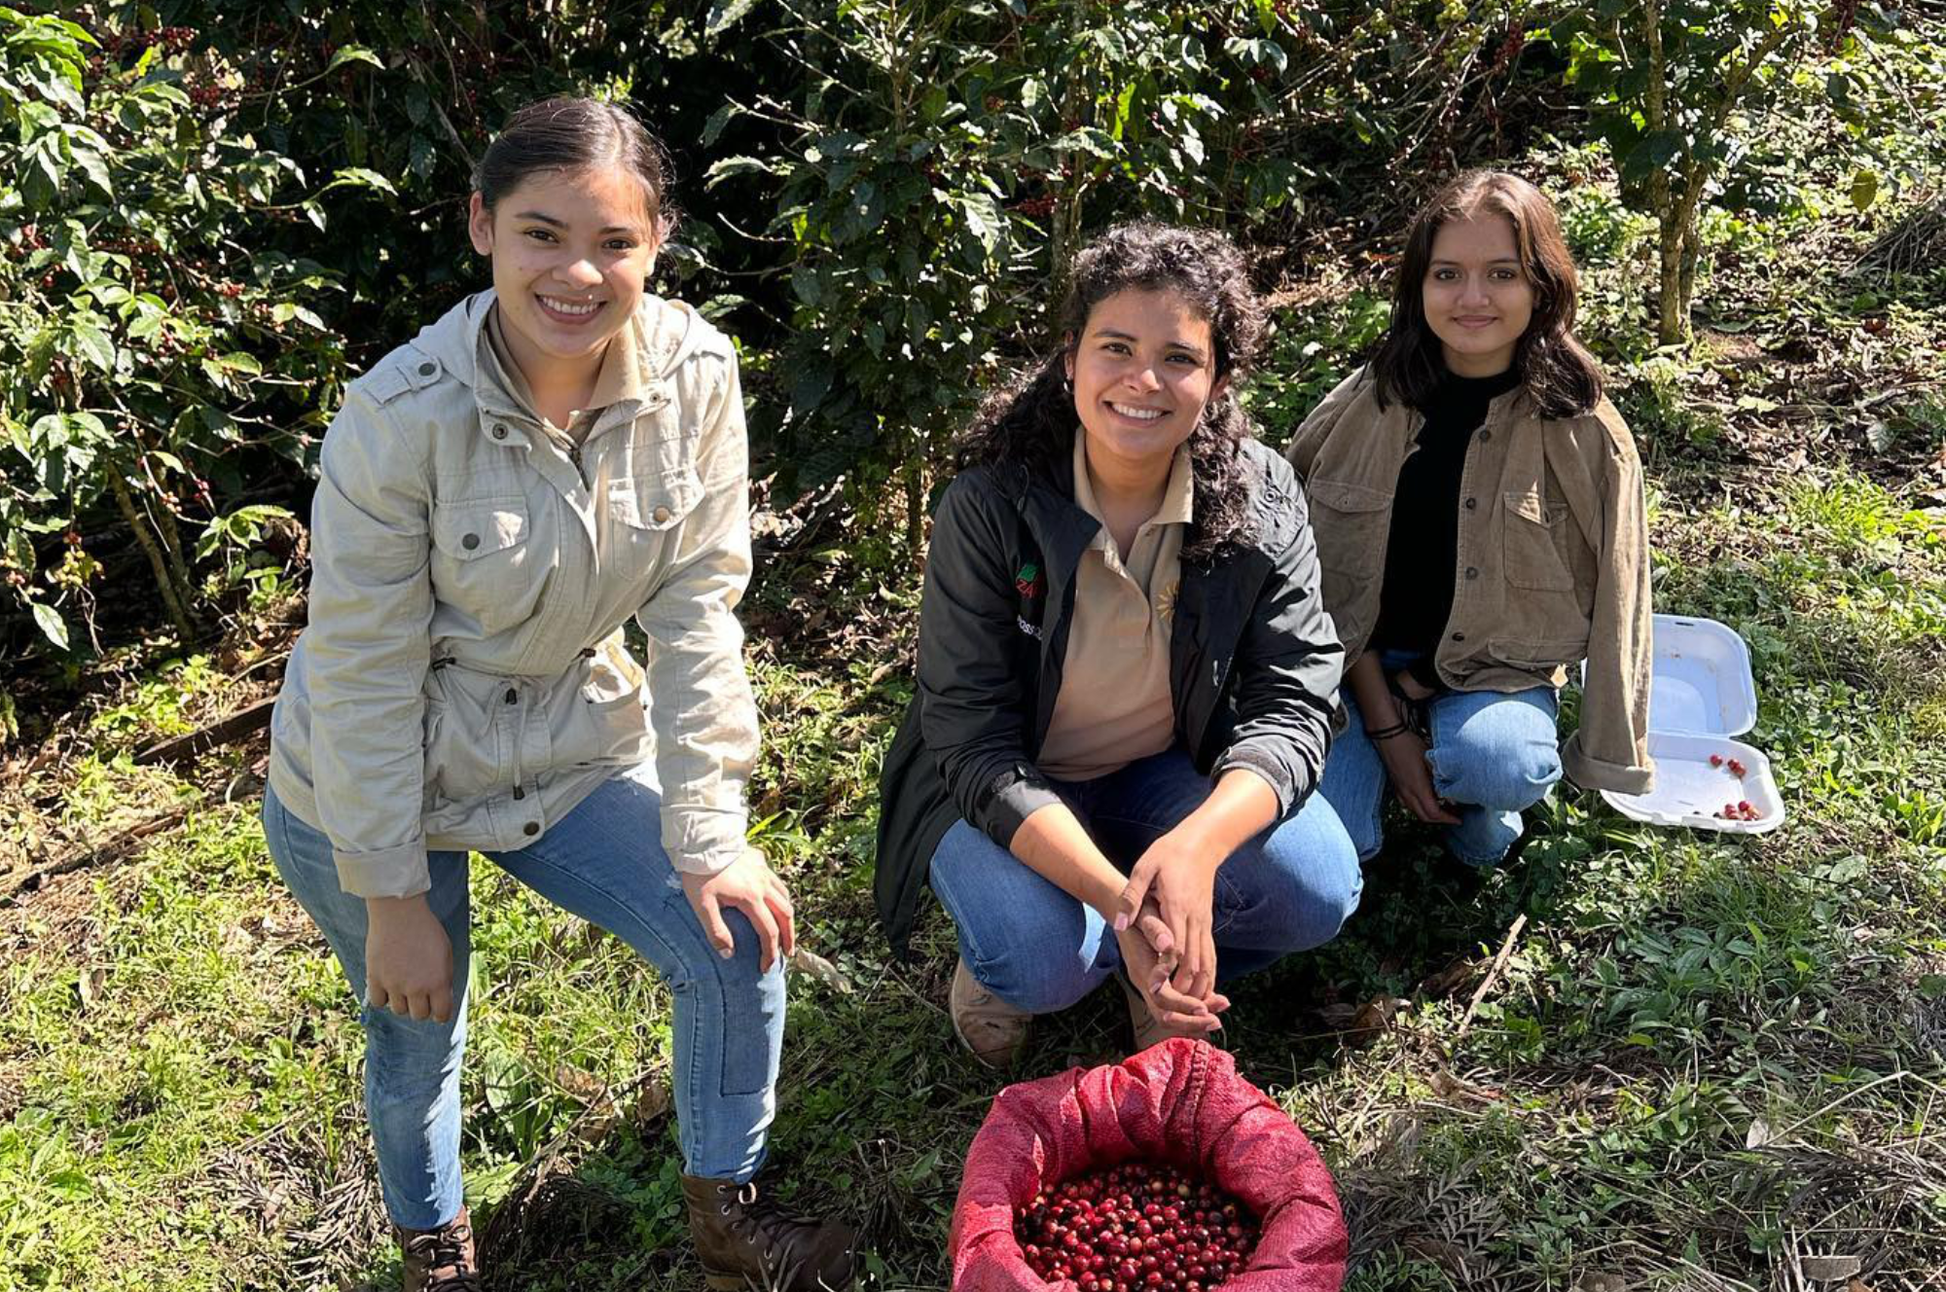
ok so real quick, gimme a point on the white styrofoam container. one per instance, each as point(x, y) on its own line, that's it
point(1702, 693)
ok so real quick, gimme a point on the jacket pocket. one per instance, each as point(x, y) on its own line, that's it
point(1351, 523)
point(655, 502)
point(611, 725)
point(1534, 543)
point(1539, 657)
point(479, 554)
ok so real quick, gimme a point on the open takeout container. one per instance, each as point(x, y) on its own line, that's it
point(1702, 695)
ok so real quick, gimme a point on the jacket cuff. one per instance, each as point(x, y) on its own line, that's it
point(1594, 774)
point(1272, 770)
point(1012, 804)
point(703, 841)
point(388, 872)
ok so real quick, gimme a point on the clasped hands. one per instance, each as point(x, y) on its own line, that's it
point(1163, 922)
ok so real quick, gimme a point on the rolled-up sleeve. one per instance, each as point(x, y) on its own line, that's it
point(369, 641)
point(700, 703)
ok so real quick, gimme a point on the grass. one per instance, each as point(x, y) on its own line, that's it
point(1709, 1061)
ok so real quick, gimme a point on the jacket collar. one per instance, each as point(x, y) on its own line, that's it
point(663, 334)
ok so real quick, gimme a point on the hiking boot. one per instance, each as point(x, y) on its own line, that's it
point(993, 1030)
point(745, 1240)
point(1148, 1029)
point(442, 1259)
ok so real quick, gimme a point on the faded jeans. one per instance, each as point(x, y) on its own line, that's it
point(1036, 947)
point(1493, 753)
point(604, 862)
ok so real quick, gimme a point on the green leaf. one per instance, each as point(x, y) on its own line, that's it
point(353, 54)
point(718, 120)
point(982, 219)
point(360, 177)
point(725, 14)
point(722, 170)
point(51, 624)
point(1864, 189)
point(92, 344)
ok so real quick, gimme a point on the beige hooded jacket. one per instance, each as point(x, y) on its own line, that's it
point(463, 681)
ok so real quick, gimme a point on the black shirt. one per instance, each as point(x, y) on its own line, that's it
point(1423, 550)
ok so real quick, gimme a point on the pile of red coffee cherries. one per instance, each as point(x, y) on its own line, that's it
point(1741, 810)
point(1137, 1227)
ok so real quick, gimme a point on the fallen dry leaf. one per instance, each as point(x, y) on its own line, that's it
point(1829, 1269)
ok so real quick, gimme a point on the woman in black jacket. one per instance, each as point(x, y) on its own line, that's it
point(1126, 679)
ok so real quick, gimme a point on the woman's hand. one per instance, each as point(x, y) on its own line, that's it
point(1404, 755)
point(1178, 875)
point(408, 959)
point(1150, 974)
point(747, 884)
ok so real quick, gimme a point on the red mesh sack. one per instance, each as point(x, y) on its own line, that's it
point(1181, 1102)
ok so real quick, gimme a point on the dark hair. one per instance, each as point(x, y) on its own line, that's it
point(1031, 420)
point(567, 134)
point(1559, 374)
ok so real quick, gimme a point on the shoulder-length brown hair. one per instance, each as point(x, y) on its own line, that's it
point(1559, 374)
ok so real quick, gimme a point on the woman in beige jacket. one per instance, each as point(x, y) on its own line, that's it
point(495, 498)
point(1481, 527)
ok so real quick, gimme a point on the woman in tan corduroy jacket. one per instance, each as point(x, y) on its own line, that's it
point(1481, 527)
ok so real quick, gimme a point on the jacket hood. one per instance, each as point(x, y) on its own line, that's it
point(665, 334)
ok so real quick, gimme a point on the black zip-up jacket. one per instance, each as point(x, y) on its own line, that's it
point(1254, 661)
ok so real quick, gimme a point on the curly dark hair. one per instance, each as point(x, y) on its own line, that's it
point(1030, 421)
point(1560, 375)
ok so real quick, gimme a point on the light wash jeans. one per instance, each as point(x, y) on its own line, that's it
point(604, 862)
point(1028, 942)
point(1493, 752)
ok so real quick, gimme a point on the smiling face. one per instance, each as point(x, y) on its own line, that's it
point(572, 252)
point(1143, 369)
point(1477, 295)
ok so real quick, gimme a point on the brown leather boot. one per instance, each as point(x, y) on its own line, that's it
point(745, 1240)
point(442, 1259)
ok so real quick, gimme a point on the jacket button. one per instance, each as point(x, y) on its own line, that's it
point(519, 793)
point(1459, 637)
point(661, 515)
point(499, 431)
point(1472, 571)
point(1471, 503)
point(531, 829)
point(1486, 435)
point(513, 696)
point(470, 542)
point(428, 369)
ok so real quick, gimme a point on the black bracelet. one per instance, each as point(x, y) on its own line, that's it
point(1386, 733)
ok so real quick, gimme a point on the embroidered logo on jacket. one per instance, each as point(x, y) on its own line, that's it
point(1030, 582)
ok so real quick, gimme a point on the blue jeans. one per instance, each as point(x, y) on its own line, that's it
point(604, 862)
point(1492, 752)
point(1028, 942)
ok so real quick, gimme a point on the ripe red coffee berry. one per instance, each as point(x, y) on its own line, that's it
point(1133, 1228)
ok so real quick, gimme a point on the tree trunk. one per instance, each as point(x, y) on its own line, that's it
point(1672, 328)
point(158, 563)
point(1692, 253)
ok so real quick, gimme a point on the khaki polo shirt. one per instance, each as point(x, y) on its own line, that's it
point(615, 382)
point(1114, 704)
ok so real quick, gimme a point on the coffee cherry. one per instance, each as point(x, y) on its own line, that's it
point(1132, 1228)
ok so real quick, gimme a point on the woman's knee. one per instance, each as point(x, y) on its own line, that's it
point(1506, 778)
point(1314, 864)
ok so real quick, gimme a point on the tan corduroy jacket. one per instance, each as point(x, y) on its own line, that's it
point(463, 682)
point(1553, 557)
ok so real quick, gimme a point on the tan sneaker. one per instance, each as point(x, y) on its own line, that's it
point(1148, 1029)
point(993, 1030)
point(745, 1240)
point(442, 1259)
